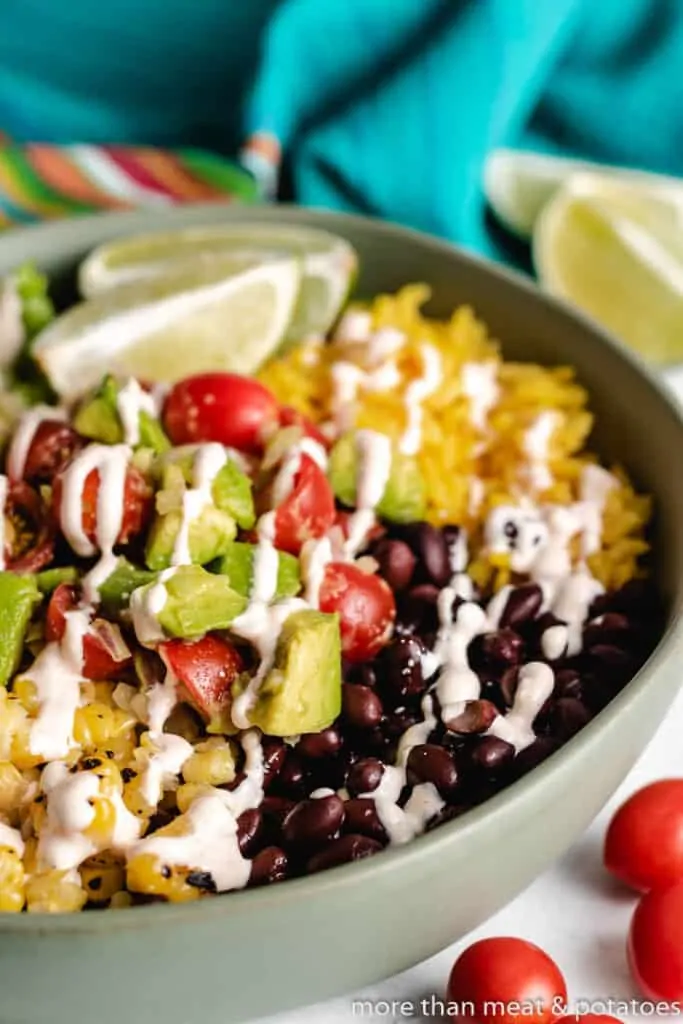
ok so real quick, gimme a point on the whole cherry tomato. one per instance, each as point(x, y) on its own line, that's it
point(206, 668)
point(366, 608)
point(235, 411)
point(587, 1018)
point(29, 531)
point(100, 660)
point(507, 980)
point(138, 504)
point(655, 944)
point(644, 841)
point(308, 510)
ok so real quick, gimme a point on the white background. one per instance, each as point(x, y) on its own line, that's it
point(573, 911)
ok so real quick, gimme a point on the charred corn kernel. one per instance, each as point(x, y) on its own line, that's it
point(93, 725)
point(147, 874)
point(37, 812)
point(102, 876)
point(15, 733)
point(53, 892)
point(120, 900)
point(13, 787)
point(12, 882)
point(188, 793)
point(27, 695)
point(99, 692)
point(103, 823)
point(212, 764)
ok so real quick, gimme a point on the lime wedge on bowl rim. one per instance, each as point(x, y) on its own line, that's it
point(215, 315)
point(615, 249)
point(329, 263)
point(518, 184)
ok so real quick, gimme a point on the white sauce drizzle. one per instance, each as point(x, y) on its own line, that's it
point(480, 385)
point(415, 394)
point(146, 604)
point(284, 480)
point(534, 687)
point(354, 326)
point(209, 460)
point(110, 462)
point(536, 446)
point(164, 763)
point(554, 642)
point(130, 402)
point(11, 837)
point(374, 469)
point(24, 434)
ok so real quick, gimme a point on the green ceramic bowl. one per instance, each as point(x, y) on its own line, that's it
point(250, 953)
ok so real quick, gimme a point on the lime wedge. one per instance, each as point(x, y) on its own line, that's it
point(615, 249)
point(518, 184)
point(329, 263)
point(214, 316)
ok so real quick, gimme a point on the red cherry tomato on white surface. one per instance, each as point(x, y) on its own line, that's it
point(308, 510)
point(644, 841)
point(366, 608)
point(206, 668)
point(238, 412)
point(655, 944)
point(99, 661)
point(138, 504)
point(587, 1018)
point(507, 980)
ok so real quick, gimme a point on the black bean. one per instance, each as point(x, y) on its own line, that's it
point(611, 628)
point(402, 667)
point(567, 716)
point(318, 745)
point(491, 754)
point(364, 776)
point(522, 605)
point(417, 611)
point(293, 776)
point(446, 814)
point(269, 865)
point(476, 716)
point(343, 851)
point(249, 830)
point(612, 659)
point(274, 753)
point(568, 684)
point(508, 684)
point(396, 562)
point(430, 763)
point(274, 810)
point(397, 721)
point(361, 706)
point(361, 817)
point(431, 548)
point(534, 754)
point(497, 650)
point(313, 822)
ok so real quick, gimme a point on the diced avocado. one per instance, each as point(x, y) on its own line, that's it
point(231, 491)
point(404, 498)
point(98, 419)
point(18, 597)
point(209, 537)
point(198, 602)
point(50, 579)
point(116, 590)
point(238, 565)
point(302, 692)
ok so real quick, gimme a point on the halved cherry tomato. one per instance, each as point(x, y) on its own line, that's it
point(365, 605)
point(342, 518)
point(235, 411)
point(506, 980)
point(99, 661)
point(290, 417)
point(206, 668)
point(29, 531)
point(655, 944)
point(53, 444)
point(644, 841)
point(138, 504)
point(308, 510)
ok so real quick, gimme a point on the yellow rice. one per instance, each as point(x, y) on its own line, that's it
point(450, 456)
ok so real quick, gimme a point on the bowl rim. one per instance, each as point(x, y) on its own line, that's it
point(508, 801)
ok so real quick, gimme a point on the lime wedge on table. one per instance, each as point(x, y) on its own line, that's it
point(214, 316)
point(518, 184)
point(329, 263)
point(615, 248)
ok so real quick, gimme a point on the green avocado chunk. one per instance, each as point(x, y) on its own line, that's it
point(404, 498)
point(116, 590)
point(18, 597)
point(50, 579)
point(230, 490)
point(198, 602)
point(238, 565)
point(98, 419)
point(302, 692)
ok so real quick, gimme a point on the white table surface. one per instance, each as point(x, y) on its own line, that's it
point(572, 911)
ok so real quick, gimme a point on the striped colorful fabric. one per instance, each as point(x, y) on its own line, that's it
point(39, 182)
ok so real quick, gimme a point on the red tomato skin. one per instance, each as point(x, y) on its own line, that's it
point(655, 944)
point(308, 511)
point(492, 975)
point(24, 504)
point(138, 504)
point(366, 608)
point(207, 668)
point(587, 1018)
point(53, 444)
point(98, 663)
point(644, 840)
point(290, 417)
point(225, 407)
